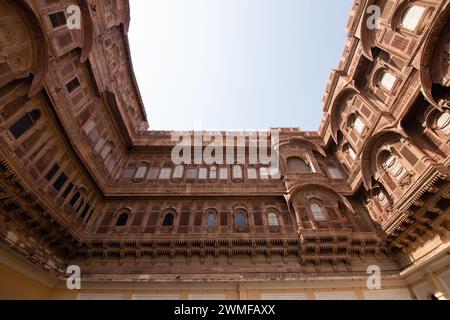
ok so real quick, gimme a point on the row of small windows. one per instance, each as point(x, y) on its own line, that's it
point(18, 129)
point(240, 219)
point(295, 165)
point(101, 146)
point(202, 173)
point(300, 165)
point(77, 201)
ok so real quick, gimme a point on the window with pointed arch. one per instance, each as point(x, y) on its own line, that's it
point(298, 165)
point(122, 220)
point(382, 199)
point(318, 212)
point(168, 220)
point(80, 205)
point(273, 220)
point(387, 81)
point(393, 166)
point(412, 17)
point(443, 123)
point(240, 219)
point(211, 220)
point(74, 199)
point(356, 124)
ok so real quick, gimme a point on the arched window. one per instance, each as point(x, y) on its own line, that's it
point(393, 166)
point(411, 17)
point(211, 220)
point(122, 220)
point(75, 198)
point(141, 171)
point(240, 219)
point(443, 122)
point(356, 124)
point(273, 219)
point(296, 164)
point(349, 150)
point(25, 123)
point(382, 199)
point(318, 213)
point(387, 80)
point(168, 220)
point(237, 172)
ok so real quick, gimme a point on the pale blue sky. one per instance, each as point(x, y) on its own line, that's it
point(235, 64)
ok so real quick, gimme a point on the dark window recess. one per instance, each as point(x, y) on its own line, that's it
point(85, 211)
point(89, 215)
point(52, 172)
point(60, 182)
point(58, 19)
point(122, 220)
point(74, 199)
point(72, 85)
point(168, 220)
point(81, 205)
point(23, 124)
point(67, 191)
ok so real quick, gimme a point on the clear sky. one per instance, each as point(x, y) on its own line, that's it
point(235, 64)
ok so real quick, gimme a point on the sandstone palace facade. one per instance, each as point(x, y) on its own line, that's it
point(85, 181)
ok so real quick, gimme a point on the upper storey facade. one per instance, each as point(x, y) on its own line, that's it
point(387, 115)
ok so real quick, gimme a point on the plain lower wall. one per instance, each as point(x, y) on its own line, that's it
point(17, 286)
